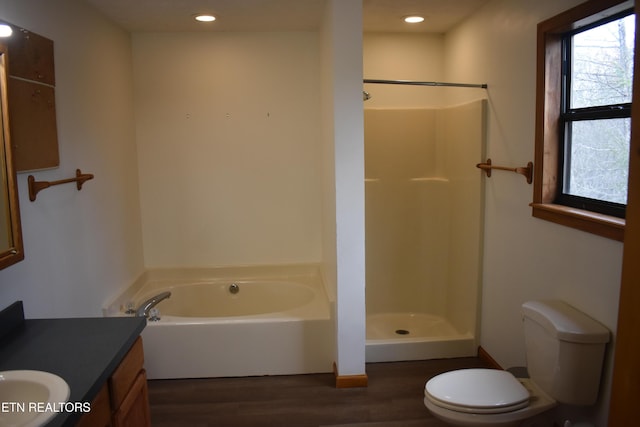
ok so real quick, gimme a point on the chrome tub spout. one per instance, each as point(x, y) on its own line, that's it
point(143, 310)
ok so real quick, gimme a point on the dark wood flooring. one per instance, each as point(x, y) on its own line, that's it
point(392, 399)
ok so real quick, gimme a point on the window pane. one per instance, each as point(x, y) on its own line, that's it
point(598, 162)
point(602, 64)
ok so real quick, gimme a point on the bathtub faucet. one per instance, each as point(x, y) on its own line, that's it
point(143, 310)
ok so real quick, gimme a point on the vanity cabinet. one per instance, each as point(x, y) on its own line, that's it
point(100, 415)
point(100, 358)
point(123, 400)
point(32, 104)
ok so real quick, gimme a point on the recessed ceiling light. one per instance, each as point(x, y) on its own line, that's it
point(413, 19)
point(203, 17)
point(5, 30)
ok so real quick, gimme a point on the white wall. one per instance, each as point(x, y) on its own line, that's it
point(328, 165)
point(82, 247)
point(228, 132)
point(343, 158)
point(524, 257)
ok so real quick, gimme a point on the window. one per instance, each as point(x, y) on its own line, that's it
point(595, 115)
point(583, 116)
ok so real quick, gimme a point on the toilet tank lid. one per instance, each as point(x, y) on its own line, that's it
point(565, 322)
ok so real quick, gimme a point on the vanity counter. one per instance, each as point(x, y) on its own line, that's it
point(83, 351)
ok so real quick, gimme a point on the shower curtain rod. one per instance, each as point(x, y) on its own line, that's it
point(415, 83)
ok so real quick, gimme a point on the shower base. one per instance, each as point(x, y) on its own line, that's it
point(414, 336)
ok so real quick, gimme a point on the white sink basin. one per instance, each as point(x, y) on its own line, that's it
point(30, 398)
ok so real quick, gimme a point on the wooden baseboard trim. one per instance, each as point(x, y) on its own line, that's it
point(350, 381)
point(486, 357)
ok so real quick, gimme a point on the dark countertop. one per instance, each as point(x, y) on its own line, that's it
point(83, 351)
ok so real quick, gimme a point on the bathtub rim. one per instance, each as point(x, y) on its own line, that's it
point(316, 308)
point(300, 273)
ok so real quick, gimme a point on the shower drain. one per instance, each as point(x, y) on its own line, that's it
point(402, 332)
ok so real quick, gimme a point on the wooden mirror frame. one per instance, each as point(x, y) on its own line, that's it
point(15, 251)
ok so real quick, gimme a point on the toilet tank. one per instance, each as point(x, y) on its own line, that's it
point(565, 351)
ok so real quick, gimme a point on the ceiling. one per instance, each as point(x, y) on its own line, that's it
point(280, 15)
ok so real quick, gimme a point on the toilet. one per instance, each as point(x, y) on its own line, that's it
point(564, 351)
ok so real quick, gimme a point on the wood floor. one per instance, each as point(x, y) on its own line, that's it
point(392, 399)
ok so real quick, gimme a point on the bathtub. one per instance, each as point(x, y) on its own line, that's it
point(238, 321)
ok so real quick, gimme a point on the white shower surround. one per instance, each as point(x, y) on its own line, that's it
point(424, 231)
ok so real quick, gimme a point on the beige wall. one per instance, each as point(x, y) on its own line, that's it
point(402, 56)
point(526, 258)
point(81, 248)
point(228, 132)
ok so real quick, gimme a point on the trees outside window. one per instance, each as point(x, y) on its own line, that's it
point(596, 111)
point(584, 88)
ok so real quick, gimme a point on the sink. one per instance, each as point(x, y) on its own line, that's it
point(30, 398)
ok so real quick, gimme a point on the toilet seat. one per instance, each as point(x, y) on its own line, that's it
point(477, 391)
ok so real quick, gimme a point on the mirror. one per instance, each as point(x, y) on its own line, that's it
point(11, 249)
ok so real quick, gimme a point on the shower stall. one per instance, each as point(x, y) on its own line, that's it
point(423, 231)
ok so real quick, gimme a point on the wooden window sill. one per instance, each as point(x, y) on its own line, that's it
point(603, 225)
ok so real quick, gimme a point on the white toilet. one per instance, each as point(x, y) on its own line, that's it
point(565, 351)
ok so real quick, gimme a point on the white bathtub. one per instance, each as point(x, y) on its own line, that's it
point(277, 323)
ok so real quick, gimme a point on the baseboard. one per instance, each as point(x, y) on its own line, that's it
point(362, 380)
point(350, 381)
point(486, 358)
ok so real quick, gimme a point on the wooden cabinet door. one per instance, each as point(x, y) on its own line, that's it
point(134, 410)
point(32, 119)
point(32, 104)
point(31, 57)
point(100, 415)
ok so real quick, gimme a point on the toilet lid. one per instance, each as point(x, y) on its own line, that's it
point(477, 391)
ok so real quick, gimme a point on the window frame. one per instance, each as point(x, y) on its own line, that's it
point(569, 115)
point(549, 124)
